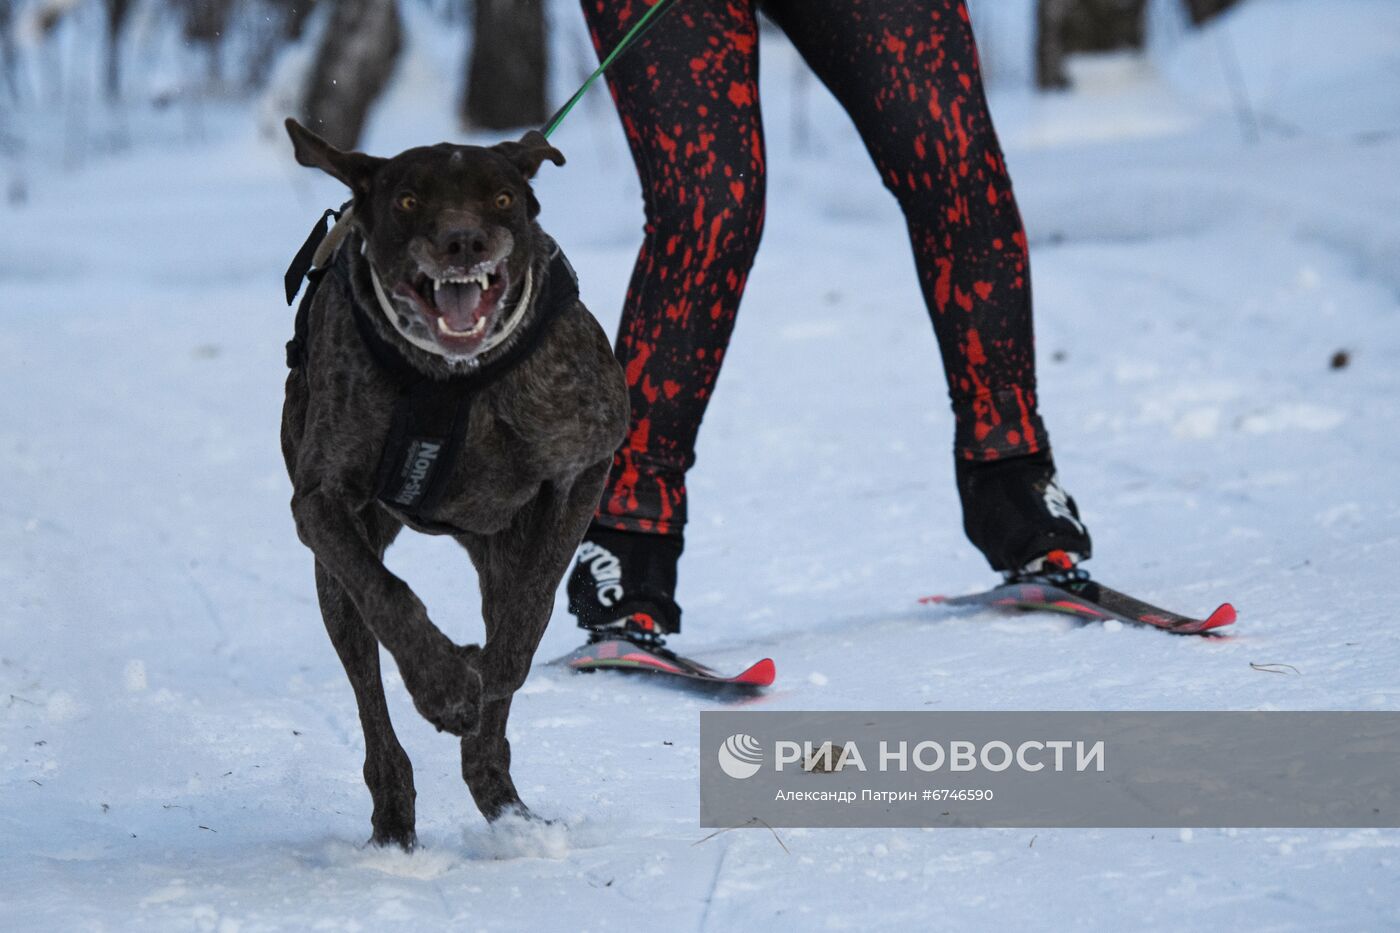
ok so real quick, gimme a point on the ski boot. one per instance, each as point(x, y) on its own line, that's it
point(622, 586)
point(1018, 515)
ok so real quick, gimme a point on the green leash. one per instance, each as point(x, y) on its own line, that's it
point(636, 32)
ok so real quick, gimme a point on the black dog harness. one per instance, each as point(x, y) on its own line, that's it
point(430, 415)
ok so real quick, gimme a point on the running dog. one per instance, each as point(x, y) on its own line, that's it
point(445, 377)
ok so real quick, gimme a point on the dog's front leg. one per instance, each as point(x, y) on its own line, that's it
point(520, 569)
point(388, 772)
point(486, 765)
point(516, 616)
point(443, 678)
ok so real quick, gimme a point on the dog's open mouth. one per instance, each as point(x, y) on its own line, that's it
point(458, 309)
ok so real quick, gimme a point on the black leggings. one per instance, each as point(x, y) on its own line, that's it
point(906, 71)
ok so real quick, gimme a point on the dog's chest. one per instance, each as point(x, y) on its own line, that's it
point(450, 464)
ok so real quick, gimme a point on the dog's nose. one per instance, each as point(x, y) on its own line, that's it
point(463, 245)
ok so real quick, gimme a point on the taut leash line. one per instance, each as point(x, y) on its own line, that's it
point(639, 29)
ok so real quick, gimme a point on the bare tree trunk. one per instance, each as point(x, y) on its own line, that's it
point(9, 55)
point(1050, 19)
point(508, 66)
point(1202, 10)
point(205, 19)
point(353, 65)
point(206, 22)
point(267, 31)
point(1065, 26)
point(118, 11)
point(295, 17)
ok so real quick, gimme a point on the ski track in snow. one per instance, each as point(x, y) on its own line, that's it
point(179, 748)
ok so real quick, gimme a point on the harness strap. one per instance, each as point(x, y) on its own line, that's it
point(309, 265)
point(302, 262)
point(425, 435)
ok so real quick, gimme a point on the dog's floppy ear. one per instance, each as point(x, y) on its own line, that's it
point(355, 169)
point(529, 152)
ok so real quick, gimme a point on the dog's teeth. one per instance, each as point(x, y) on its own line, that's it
point(472, 331)
point(482, 279)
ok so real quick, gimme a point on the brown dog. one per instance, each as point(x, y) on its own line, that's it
point(445, 377)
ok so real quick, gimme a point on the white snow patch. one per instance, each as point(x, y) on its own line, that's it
point(165, 894)
point(1197, 424)
point(1301, 416)
point(1346, 513)
point(513, 837)
point(1363, 839)
point(61, 707)
point(134, 676)
point(813, 330)
point(424, 864)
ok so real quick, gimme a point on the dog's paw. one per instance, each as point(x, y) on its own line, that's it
point(518, 811)
point(407, 840)
point(446, 689)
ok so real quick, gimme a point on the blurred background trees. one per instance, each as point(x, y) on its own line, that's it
point(1202, 10)
point(356, 56)
point(507, 66)
point(89, 64)
point(9, 54)
point(1065, 27)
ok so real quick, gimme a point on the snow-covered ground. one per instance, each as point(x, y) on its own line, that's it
point(179, 747)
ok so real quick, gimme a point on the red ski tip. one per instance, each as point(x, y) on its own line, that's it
point(761, 674)
point(1223, 616)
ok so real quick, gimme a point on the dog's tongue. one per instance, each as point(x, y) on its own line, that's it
point(458, 304)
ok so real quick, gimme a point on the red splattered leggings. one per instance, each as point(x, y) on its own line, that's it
point(906, 71)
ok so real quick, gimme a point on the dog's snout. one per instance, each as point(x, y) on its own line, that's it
point(464, 244)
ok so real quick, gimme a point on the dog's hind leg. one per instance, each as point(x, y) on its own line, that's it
point(520, 569)
point(388, 772)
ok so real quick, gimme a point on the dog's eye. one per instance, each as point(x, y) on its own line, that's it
point(407, 202)
point(504, 200)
